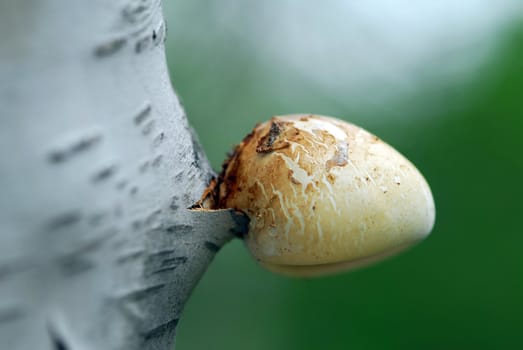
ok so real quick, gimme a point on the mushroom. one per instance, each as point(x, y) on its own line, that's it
point(323, 196)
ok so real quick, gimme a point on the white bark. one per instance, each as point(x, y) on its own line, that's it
point(98, 166)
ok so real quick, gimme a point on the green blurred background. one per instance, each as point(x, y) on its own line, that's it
point(443, 85)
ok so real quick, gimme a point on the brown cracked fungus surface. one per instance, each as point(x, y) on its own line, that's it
point(323, 195)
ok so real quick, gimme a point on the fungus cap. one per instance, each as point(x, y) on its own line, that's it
point(324, 195)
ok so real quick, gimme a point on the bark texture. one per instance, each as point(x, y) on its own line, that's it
point(99, 165)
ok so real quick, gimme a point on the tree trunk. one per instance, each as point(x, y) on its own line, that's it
point(99, 165)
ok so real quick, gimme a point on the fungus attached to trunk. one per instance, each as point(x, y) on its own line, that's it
point(323, 196)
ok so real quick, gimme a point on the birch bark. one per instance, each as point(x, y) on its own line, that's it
point(98, 167)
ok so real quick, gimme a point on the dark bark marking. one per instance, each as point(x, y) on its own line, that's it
point(96, 242)
point(143, 167)
point(77, 261)
point(57, 341)
point(158, 139)
point(104, 173)
point(164, 257)
point(161, 329)
point(177, 260)
point(136, 225)
point(72, 265)
point(158, 35)
point(58, 344)
point(163, 261)
point(142, 44)
point(109, 48)
point(140, 14)
point(135, 11)
point(146, 130)
point(120, 185)
point(173, 205)
point(212, 246)
point(179, 229)
point(133, 190)
point(142, 293)
point(97, 219)
point(75, 148)
point(149, 41)
point(10, 314)
point(163, 269)
point(63, 220)
point(143, 114)
point(179, 177)
point(187, 199)
point(157, 161)
point(12, 268)
point(162, 253)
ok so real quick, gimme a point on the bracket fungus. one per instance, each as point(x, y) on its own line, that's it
point(322, 196)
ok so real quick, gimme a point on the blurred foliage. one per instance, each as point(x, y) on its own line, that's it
point(461, 288)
